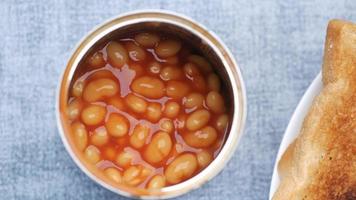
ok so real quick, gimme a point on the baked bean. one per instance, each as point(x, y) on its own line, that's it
point(166, 125)
point(204, 158)
point(147, 39)
point(177, 89)
point(221, 123)
point(171, 73)
point(171, 109)
point(201, 62)
point(198, 119)
point(139, 135)
point(146, 171)
point(93, 114)
point(96, 60)
point(215, 102)
point(137, 68)
point(158, 148)
point(124, 159)
point(194, 100)
point(173, 60)
point(149, 87)
point(181, 168)
point(191, 70)
point(100, 136)
point(199, 83)
point(135, 103)
point(213, 82)
point(131, 174)
point(117, 125)
point(117, 102)
point(168, 48)
point(113, 174)
point(117, 54)
point(154, 111)
point(154, 67)
point(92, 154)
point(78, 88)
point(101, 74)
point(74, 108)
point(157, 182)
point(99, 89)
point(135, 175)
point(201, 138)
point(136, 53)
point(80, 135)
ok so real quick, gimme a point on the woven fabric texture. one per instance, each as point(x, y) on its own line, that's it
point(278, 45)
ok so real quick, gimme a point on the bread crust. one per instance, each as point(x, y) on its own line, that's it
point(321, 163)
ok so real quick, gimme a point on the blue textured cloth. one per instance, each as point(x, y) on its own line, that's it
point(278, 45)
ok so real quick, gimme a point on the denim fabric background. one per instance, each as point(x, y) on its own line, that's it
point(278, 45)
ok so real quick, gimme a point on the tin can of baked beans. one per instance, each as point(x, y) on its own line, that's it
point(201, 38)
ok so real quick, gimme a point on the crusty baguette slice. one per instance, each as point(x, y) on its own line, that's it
point(321, 163)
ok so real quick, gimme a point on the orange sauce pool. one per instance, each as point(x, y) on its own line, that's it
point(147, 111)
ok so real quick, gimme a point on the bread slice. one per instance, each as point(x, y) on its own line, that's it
point(321, 162)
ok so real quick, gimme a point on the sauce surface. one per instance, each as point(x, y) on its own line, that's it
point(148, 111)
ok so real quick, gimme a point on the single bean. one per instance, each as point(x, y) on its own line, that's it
point(117, 54)
point(181, 168)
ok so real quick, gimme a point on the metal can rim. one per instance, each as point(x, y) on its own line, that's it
point(229, 63)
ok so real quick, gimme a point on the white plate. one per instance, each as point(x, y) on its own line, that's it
point(294, 126)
